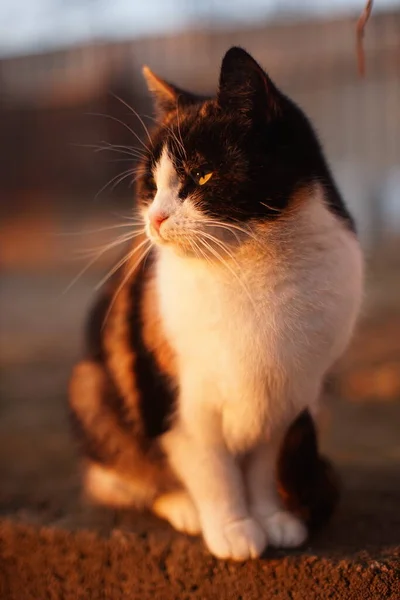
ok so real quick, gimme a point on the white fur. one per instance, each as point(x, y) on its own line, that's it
point(181, 216)
point(254, 338)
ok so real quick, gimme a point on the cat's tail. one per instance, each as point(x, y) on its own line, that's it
point(308, 483)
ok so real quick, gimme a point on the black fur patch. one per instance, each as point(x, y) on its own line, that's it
point(261, 146)
point(94, 326)
point(310, 484)
point(157, 397)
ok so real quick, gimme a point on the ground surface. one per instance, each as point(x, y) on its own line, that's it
point(51, 546)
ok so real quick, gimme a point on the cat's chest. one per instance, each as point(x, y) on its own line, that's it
point(222, 345)
point(218, 325)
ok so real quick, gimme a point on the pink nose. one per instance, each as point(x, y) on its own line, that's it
point(156, 219)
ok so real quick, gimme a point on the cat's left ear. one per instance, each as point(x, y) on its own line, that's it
point(166, 95)
point(245, 88)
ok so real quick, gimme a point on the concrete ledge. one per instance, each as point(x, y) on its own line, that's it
point(65, 551)
point(51, 563)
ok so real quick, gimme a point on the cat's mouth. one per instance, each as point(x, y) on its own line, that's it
point(179, 241)
point(202, 240)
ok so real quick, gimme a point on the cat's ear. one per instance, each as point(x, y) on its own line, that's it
point(245, 88)
point(166, 96)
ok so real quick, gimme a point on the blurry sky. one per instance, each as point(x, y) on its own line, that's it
point(34, 25)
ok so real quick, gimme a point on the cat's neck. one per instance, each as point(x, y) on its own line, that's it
point(305, 228)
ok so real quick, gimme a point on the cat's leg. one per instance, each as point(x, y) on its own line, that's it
point(178, 508)
point(116, 471)
point(107, 487)
point(215, 483)
point(282, 528)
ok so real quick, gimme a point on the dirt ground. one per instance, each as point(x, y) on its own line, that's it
point(52, 546)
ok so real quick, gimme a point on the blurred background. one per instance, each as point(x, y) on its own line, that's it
point(69, 70)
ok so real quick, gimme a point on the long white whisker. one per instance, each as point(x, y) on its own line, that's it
point(91, 231)
point(105, 249)
point(131, 218)
point(129, 150)
point(220, 244)
point(273, 208)
point(125, 280)
point(119, 264)
point(140, 153)
point(179, 126)
point(121, 179)
point(116, 180)
point(202, 253)
point(124, 125)
point(216, 224)
point(115, 160)
point(136, 115)
point(230, 227)
point(227, 266)
point(165, 126)
point(87, 253)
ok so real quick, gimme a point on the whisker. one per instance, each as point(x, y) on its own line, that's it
point(220, 244)
point(227, 266)
point(103, 250)
point(222, 226)
point(115, 160)
point(166, 126)
point(132, 149)
point(131, 218)
point(193, 247)
point(179, 126)
point(82, 253)
point(111, 148)
point(230, 226)
point(125, 280)
point(110, 182)
point(202, 253)
point(116, 180)
point(112, 118)
point(119, 264)
point(121, 179)
point(273, 208)
point(91, 231)
point(136, 115)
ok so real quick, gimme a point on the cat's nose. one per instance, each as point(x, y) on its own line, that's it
point(156, 219)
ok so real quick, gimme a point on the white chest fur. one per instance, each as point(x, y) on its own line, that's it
point(253, 348)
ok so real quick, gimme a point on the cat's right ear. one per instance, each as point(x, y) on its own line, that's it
point(244, 88)
point(166, 96)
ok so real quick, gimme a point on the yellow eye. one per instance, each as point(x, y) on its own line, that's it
point(204, 178)
point(201, 176)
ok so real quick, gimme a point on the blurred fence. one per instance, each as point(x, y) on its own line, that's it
point(46, 166)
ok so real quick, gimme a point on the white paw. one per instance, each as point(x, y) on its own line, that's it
point(179, 510)
point(238, 540)
point(284, 530)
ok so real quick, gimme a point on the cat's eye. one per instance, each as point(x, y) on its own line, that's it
point(201, 176)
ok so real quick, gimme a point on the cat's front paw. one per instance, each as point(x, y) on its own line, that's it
point(238, 540)
point(283, 529)
point(179, 510)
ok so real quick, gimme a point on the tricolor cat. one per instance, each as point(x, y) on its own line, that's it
point(206, 360)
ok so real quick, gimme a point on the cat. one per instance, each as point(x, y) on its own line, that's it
point(206, 360)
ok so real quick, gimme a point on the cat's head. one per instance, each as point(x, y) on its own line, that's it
point(219, 165)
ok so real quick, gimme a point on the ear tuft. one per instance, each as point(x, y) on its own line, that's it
point(165, 94)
